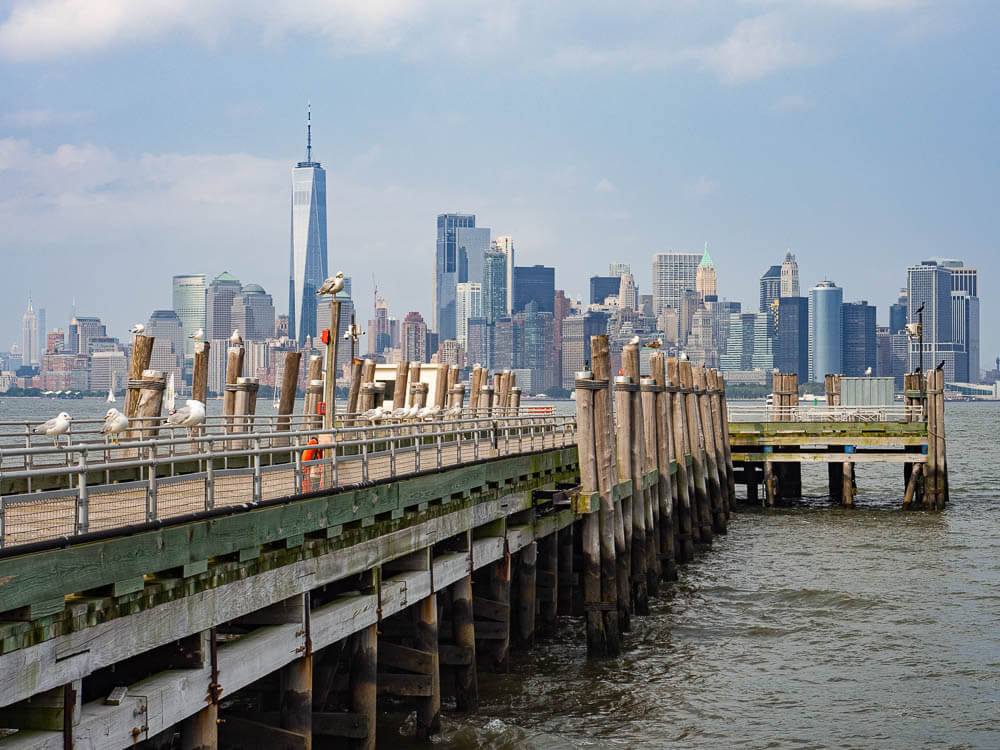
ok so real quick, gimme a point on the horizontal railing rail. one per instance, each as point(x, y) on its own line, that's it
point(77, 488)
point(743, 412)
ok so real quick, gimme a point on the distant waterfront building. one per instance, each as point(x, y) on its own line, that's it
point(505, 244)
point(673, 274)
point(617, 270)
point(414, 338)
point(81, 331)
point(168, 347)
point(965, 333)
point(561, 310)
point(576, 333)
point(749, 345)
point(897, 313)
point(494, 286)
point(383, 330)
point(219, 306)
point(30, 349)
point(468, 304)
point(55, 341)
point(458, 258)
point(501, 344)
point(189, 303)
point(602, 287)
point(791, 343)
point(706, 283)
point(929, 285)
point(858, 344)
point(534, 284)
point(789, 276)
point(308, 254)
point(628, 298)
point(825, 329)
point(533, 333)
point(770, 287)
point(477, 337)
point(253, 313)
point(108, 370)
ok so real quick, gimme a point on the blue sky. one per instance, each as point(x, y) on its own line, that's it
point(141, 140)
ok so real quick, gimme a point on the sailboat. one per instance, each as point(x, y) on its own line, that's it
point(168, 396)
point(111, 395)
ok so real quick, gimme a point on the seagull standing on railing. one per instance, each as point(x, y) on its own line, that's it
point(115, 423)
point(190, 416)
point(58, 425)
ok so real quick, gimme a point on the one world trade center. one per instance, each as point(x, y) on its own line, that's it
point(307, 262)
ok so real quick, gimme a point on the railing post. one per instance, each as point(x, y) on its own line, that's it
point(209, 478)
point(151, 476)
point(258, 477)
point(83, 503)
point(364, 458)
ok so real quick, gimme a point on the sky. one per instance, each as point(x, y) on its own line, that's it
point(143, 140)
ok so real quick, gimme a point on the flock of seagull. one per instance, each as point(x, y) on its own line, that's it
point(386, 413)
point(188, 416)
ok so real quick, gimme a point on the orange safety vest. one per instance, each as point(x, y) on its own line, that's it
point(311, 476)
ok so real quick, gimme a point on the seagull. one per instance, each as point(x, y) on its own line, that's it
point(654, 344)
point(235, 339)
point(634, 340)
point(137, 328)
point(190, 415)
point(868, 371)
point(372, 416)
point(114, 423)
point(332, 285)
point(940, 365)
point(197, 335)
point(58, 425)
point(683, 357)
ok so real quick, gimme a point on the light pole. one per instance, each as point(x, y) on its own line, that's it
point(330, 288)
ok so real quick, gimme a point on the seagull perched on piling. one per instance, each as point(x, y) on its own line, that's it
point(683, 357)
point(190, 416)
point(236, 339)
point(58, 425)
point(634, 340)
point(137, 328)
point(868, 370)
point(197, 335)
point(333, 285)
point(115, 423)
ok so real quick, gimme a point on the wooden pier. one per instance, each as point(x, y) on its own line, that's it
point(267, 583)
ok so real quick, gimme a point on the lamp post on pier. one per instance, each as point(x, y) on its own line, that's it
point(331, 287)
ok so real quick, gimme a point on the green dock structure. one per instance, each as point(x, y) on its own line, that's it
point(261, 581)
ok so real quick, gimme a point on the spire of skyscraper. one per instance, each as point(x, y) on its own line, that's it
point(309, 134)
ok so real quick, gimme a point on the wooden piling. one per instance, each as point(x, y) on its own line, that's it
point(414, 379)
point(912, 482)
point(199, 379)
point(547, 583)
point(234, 370)
point(835, 471)
point(730, 474)
point(201, 731)
point(245, 406)
point(440, 386)
point(942, 447)
point(640, 564)
point(703, 399)
point(310, 408)
point(623, 508)
point(697, 443)
point(464, 629)
point(515, 400)
point(689, 530)
point(399, 389)
point(654, 568)
point(354, 391)
point(296, 697)
point(607, 473)
point(426, 640)
point(289, 387)
point(142, 352)
point(496, 650)
point(663, 445)
point(452, 376)
point(486, 394)
point(721, 453)
point(149, 407)
point(366, 399)
point(527, 563)
point(418, 394)
point(567, 583)
point(475, 385)
point(363, 684)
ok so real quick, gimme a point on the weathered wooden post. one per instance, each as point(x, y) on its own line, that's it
point(702, 398)
point(661, 450)
point(354, 391)
point(363, 685)
point(623, 507)
point(452, 376)
point(149, 407)
point(456, 396)
point(527, 578)
point(366, 399)
point(641, 513)
point(296, 690)
point(496, 650)
point(244, 407)
point(426, 640)
point(289, 387)
point(440, 386)
point(547, 580)
point(201, 731)
point(567, 589)
point(697, 444)
point(942, 448)
point(419, 394)
point(721, 447)
point(464, 629)
point(142, 352)
point(399, 389)
point(414, 379)
point(486, 394)
point(726, 440)
point(515, 401)
point(234, 370)
point(607, 472)
point(689, 529)
point(199, 379)
point(474, 388)
point(310, 408)
point(835, 470)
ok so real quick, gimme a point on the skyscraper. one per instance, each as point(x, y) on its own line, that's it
point(770, 288)
point(673, 273)
point(534, 284)
point(494, 286)
point(706, 283)
point(189, 304)
point(928, 286)
point(219, 306)
point(253, 313)
point(791, 344)
point(617, 270)
point(789, 276)
point(458, 258)
point(30, 349)
point(168, 346)
point(307, 266)
point(858, 343)
point(468, 304)
point(897, 313)
point(414, 338)
point(628, 297)
point(824, 330)
point(602, 287)
point(505, 244)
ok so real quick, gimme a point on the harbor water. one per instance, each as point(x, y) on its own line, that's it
point(804, 627)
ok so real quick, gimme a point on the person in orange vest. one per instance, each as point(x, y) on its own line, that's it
point(312, 470)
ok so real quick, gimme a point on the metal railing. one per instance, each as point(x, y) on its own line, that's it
point(744, 412)
point(88, 485)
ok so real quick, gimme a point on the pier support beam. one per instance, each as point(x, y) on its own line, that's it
point(527, 560)
point(567, 583)
point(688, 528)
point(847, 485)
point(426, 640)
point(363, 681)
point(547, 582)
point(201, 731)
point(464, 629)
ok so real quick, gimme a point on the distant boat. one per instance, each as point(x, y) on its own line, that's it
point(168, 396)
point(111, 395)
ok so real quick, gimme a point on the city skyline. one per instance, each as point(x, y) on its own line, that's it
point(84, 180)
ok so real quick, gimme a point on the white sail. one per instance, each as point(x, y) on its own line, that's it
point(111, 395)
point(168, 396)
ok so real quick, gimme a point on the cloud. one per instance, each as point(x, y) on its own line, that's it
point(40, 118)
point(756, 47)
point(702, 187)
point(604, 185)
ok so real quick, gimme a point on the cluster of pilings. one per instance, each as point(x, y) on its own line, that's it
point(656, 480)
point(927, 483)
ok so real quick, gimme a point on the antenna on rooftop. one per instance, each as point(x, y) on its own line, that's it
point(309, 137)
